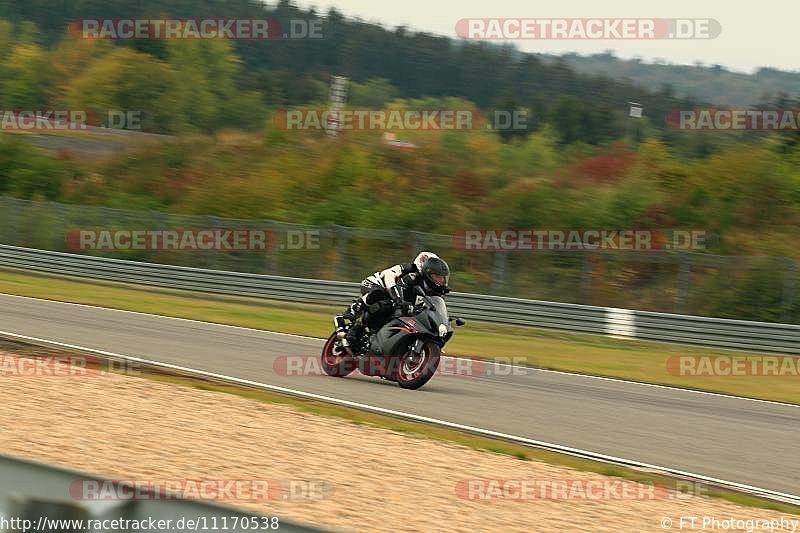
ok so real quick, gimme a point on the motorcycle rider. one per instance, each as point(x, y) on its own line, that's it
point(393, 288)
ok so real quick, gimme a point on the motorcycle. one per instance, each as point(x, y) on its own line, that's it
point(405, 350)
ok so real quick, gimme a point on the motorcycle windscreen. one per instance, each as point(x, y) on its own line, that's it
point(439, 310)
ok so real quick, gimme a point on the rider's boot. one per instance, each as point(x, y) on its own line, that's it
point(356, 331)
point(344, 339)
point(353, 337)
point(340, 345)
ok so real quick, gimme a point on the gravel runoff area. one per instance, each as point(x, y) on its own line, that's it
point(332, 472)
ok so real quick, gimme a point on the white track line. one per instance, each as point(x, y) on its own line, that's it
point(243, 328)
point(306, 337)
point(766, 493)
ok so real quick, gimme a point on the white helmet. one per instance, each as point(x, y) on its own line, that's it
point(421, 258)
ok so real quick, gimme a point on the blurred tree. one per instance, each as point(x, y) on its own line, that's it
point(25, 79)
point(71, 57)
point(206, 95)
point(372, 94)
point(132, 81)
point(6, 37)
point(27, 172)
point(28, 33)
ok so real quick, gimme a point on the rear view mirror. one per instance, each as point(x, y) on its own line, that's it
point(460, 322)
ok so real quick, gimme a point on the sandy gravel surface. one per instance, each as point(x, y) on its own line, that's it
point(125, 427)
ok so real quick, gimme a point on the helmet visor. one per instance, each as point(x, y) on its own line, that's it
point(439, 280)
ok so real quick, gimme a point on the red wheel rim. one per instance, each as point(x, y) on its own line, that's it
point(328, 357)
point(411, 368)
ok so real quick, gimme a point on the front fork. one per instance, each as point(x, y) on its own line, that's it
point(417, 348)
point(341, 334)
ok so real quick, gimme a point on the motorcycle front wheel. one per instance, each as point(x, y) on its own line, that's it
point(334, 365)
point(415, 371)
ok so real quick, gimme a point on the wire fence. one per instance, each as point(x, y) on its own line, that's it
point(751, 288)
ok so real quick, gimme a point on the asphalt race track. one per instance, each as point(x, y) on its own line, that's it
point(738, 440)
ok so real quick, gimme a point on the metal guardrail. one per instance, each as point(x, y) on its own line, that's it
point(706, 331)
point(671, 280)
point(43, 495)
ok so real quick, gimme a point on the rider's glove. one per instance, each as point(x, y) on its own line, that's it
point(407, 280)
point(396, 293)
point(406, 309)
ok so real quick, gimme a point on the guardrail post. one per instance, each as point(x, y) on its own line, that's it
point(5, 221)
point(413, 241)
point(59, 235)
point(684, 280)
point(271, 256)
point(212, 255)
point(499, 272)
point(789, 285)
point(587, 269)
point(342, 238)
point(16, 225)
